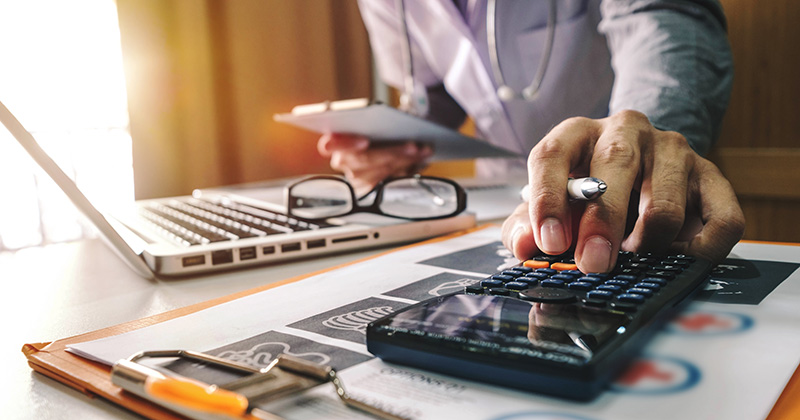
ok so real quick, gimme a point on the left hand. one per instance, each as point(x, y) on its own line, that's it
point(676, 200)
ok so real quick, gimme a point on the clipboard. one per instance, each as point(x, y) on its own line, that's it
point(384, 124)
point(94, 379)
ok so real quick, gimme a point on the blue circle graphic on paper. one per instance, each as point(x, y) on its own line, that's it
point(541, 415)
point(709, 323)
point(657, 375)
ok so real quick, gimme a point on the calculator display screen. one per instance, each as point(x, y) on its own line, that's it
point(562, 333)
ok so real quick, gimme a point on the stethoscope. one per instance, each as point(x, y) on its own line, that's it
point(414, 98)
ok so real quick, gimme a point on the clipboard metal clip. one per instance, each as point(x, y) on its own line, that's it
point(286, 375)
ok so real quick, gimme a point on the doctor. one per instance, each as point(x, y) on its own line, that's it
point(631, 92)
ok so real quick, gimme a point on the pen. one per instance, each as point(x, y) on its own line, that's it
point(577, 188)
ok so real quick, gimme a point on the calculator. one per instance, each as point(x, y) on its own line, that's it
point(543, 325)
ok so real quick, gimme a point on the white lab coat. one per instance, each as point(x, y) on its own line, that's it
point(451, 50)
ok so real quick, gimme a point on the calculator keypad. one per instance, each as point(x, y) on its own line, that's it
point(556, 279)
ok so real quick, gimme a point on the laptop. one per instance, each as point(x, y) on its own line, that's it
point(225, 228)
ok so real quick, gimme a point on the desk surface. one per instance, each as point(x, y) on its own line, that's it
point(58, 291)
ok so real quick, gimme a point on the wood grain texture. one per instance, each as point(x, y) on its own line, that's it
point(758, 149)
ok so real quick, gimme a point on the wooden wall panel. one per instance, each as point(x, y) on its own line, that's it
point(282, 54)
point(205, 77)
point(168, 72)
point(758, 149)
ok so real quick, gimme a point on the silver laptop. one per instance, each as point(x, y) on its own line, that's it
point(226, 228)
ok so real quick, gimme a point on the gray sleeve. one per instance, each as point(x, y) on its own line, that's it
point(672, 62)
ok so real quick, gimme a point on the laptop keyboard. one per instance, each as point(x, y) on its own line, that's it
point(195, 221)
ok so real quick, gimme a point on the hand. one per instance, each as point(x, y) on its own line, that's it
point(661, 197)
point(365, 166)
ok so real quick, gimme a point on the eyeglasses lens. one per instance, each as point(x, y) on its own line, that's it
point(320, 198)
point(419, 198)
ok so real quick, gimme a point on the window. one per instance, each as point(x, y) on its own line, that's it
point(62, 77)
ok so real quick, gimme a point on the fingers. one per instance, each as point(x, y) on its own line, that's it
point(517, 234)
point(722, 219)
point(549, 166)
point(686, 205)
point(616, 159)
point(331, 142)
point(667, 164)
point(365, 164)
point(684, 202)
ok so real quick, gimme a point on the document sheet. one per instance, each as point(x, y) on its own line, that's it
point(729, 355)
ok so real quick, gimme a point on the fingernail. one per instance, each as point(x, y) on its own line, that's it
point(552, 235)
point(596, 256)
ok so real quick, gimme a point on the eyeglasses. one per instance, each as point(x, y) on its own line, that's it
point(413, 197)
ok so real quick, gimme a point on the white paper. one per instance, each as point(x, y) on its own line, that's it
point(717, 361)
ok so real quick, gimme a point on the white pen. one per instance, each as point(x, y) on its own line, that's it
point(577, 188)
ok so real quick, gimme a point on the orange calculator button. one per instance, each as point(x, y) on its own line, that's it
point(536, 264)
point(563, 266)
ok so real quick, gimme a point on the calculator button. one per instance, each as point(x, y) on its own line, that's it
point(630, 272)
point(641, 291)
point(610, 287)
point(473, 290)
point(681, 257)
point(618, 282)
point(601, 276)
point(560, 266)
point(667, 275)
point(502, 277)
point(489, 283)
point(539, 276)
point(655, 280)
point(536, 264)
point(599, 294)
point(523, 269)
point(549, 271)
point(580, 285)
point(527, 280)
point(626, 277)
point(499, 291)
point(548, 295)
point(512, 273)
point(672, 268)
point(647, 285)
point(517, 285)
point(631, 298)
point(640, 266)
point(552, 283)
point(587, 279)
point(565, 277)
point(678, 263)
point(548, 258)
point(575, 273)
point(626, 255)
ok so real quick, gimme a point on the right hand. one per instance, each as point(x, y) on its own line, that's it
point(365, 166)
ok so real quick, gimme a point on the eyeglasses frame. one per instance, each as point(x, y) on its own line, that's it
point(374, 208)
